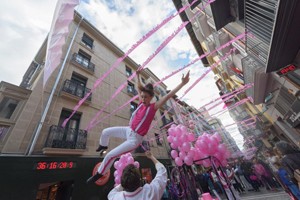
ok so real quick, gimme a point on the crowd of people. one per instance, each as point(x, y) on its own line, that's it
point(273, 170)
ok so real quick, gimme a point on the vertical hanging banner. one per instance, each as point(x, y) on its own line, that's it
point(63, 15)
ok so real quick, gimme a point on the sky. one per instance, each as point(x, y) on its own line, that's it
point(25, 24)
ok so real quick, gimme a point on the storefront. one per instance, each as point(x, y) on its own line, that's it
point(55, 178)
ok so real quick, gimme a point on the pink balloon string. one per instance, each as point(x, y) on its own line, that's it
point(173, 73)
point(120, 59)
point(165, 42)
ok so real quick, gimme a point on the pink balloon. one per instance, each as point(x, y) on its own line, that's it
point(173, 126)
point(221, 148)
point(224, 163)
point(219, 156)
point(174, 154)
point(176, 141)
point(182, 155)
point(183, 129)
point(173, 146)
point(183, 138)
point(202, 145)
point(130, 160)
point(188, 160)
point(186, 146)
point(170, 139)
point(178, 161)
point(116, 164)
point(177, 131)
point(116, 173)
point(171, 131)
point(136, 164)
point(212, 148)
point(117, 180)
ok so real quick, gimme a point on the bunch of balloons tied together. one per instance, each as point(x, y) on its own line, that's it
point(119, 165)
point(186, 149)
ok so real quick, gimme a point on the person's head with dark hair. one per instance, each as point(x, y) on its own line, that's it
point(285, 148)
point(131, 178)
point(147, 93)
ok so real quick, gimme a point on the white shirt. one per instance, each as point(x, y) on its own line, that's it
point(152, 191)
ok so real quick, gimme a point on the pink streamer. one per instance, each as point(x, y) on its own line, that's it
point(91, 124)
point(231, 107)
point(198, 80)
point(173, 73)
point(119, 60)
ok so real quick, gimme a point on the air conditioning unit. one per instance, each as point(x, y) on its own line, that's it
point(254, 72)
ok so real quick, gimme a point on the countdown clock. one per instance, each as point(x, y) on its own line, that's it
point(51, 165)
point(104, 179)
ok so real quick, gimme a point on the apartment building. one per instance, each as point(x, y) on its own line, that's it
point(258, 58)
point(63, 158)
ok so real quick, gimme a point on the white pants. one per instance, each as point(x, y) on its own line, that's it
point(133, 140)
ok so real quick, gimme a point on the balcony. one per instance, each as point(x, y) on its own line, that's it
point(65, 141)
point(76, 90)
point(83, 63)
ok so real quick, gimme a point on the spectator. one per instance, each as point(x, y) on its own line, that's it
point(131, 189)
point(286, 180)
point(290, 157)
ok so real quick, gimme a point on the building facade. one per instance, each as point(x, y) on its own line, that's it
point(267, 57)
point(63, 158)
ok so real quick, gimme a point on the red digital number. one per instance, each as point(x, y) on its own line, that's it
point(63, 165)
point(70, 164)
point(41, 165)
point(53, 165)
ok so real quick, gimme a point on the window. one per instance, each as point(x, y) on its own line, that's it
point(88, 41)
point(133, 106)
point(83, 58)
point(157, 138)
point(128, 71)
point(143, 81)
point(3, 131)
point(77, 86)
point(7, 107)
point(130, 88)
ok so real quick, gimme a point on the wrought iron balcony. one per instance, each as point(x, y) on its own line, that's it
point(59, 137)
point(77, 58)
point(76, 89)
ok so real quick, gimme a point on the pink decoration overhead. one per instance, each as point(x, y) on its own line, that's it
point(63, 15)
point(120, 59)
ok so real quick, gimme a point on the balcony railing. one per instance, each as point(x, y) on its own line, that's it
point(59, 137)
point(83, 62)
point(76, 89)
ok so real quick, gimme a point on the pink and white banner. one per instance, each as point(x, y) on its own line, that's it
point(63, 15)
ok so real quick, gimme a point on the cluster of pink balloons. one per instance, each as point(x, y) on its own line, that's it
point(210, 145)
point(119, 165)
point(186, 149)
point(181, 139)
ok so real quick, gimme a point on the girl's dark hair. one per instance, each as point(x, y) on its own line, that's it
point(131, 178)
point(148, 89)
